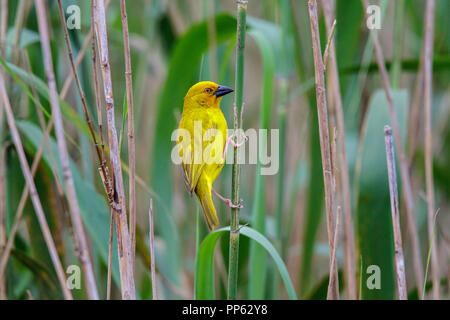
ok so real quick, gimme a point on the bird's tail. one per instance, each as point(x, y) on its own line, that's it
point(203, 192)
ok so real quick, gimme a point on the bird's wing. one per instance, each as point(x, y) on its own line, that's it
point(193, 161)
point(191, 169)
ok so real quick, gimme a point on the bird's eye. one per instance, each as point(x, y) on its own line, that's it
point(208, 90)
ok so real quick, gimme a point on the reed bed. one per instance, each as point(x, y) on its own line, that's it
point(90, 95)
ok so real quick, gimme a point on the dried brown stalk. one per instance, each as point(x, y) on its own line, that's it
point(333, 288)
point(33, 192)
point(349, 238)
point(81, 54)
point(392, 176)
point(131, 142)
point(406, 184)
point(428, 71)
point(77, 223)
point(111, 230)
point(152, 251)
point(123, 240)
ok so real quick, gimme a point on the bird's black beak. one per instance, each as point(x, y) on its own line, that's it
point(222, 90)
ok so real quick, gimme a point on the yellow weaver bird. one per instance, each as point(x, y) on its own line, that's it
point(202, 141)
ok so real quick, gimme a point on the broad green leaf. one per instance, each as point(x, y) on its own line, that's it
point(205, 281)
point(27, 37)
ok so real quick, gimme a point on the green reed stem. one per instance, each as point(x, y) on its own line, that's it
point(239, 84)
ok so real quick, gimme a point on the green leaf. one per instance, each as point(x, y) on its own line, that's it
point(320, 291)
point(27, 37)
point(205, 281)
point(440, 64)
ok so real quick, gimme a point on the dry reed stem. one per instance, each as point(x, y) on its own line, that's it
point(33, 191)
point(96, 89)
point(392, 176)
point(108, 281)
point(406, 184)
point(123, 240)
point(333, 258)
point(152, 251)
point(77, 223)
point(333, 288)
point(349, 237)
point(330, 33)
point(131, 141)
point(428, 81)
point(81, 54)
point(23, 9)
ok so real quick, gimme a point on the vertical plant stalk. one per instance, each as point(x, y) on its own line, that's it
point(77, 223)
point(110, 241)
point(406, 183)
point(392, 176)
point(96, 89)
point(131, 142)
point(3, 29)
point(349, 237)
point(239, 84)
point(33, 191)
point(428, 83)
point(328, 176)
point(123, 239)
point(81, 54)
point(3, 149)
point(152, 251)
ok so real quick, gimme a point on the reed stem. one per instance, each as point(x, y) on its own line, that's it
point(75, 214)
point(119, 206)
point(428, 84)
point(131, 141)
point(239, 88)
point(349, 237)
point(392, 175)
point(328, 175)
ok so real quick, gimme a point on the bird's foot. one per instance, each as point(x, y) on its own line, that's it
point(230, 140)
point(228, 201)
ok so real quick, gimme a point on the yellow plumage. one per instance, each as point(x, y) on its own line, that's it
point(202, 154)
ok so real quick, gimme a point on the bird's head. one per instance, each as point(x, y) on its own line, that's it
point(206, 94)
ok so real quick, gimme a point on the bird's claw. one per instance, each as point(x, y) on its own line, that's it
point(234, 206)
